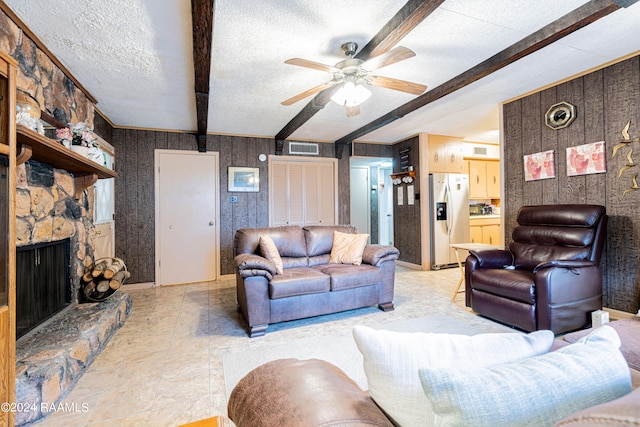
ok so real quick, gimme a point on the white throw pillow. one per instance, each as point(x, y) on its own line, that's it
point(534, 392)
point(392, 361)
point(270, 252)
point(348, 248)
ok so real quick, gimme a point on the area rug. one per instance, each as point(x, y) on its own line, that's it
point(339, 350)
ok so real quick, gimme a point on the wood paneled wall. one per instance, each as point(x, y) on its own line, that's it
point(406, 218)
point(605, 101)
point(135, 201)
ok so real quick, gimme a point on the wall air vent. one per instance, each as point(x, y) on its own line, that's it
point(479, 151)
point(305, 148)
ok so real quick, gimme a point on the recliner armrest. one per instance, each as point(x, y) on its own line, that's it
point(254, 265)
point(492, 258)
point(377, 254)
point(563, 263)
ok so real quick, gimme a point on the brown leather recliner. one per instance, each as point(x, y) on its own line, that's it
point(549, 278)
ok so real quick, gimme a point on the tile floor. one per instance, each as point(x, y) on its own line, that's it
point(164, 367)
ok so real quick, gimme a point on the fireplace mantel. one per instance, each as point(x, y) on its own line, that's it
point(32, 145)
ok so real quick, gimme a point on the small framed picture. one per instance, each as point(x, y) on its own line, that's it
point(539, 166)
point(586, 159)
point(244, 179)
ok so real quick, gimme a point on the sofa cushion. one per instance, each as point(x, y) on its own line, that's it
point(538, 391)
point(319, 238)
point(629, 332)
point(348, 248)
point(298, 281)
point(622, 412)
point(270, 252)
point(347, 276)
point(288, 239)
point(392, 360)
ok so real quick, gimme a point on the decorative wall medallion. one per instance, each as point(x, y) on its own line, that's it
point(560, 115)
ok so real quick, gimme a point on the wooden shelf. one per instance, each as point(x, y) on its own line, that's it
point(33, 146)
point(400, 175)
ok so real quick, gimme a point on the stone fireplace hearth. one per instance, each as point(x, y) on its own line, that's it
point(52, 357)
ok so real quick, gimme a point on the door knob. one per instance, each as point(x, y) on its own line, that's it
point(210, 223)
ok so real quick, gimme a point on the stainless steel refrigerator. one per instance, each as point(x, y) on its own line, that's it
point(449, 216)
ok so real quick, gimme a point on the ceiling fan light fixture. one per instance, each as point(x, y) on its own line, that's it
point(351, 95)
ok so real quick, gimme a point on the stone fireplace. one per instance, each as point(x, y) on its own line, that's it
point(51, 356)
point(46, 211)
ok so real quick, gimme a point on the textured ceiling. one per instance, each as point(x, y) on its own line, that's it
point(135, 57)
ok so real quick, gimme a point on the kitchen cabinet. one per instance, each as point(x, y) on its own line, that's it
point(485, 229)
point(493, 180)
point(445, 155)
point(484, 179)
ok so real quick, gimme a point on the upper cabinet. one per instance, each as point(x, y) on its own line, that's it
point(493, 180)
point(445, 154)
point(484, 179)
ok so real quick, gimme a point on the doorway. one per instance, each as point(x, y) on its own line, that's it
point(372, 197)
point(104, 209)
point(187, 217)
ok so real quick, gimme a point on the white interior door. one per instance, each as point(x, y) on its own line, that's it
point(385, 207)
point(360, 201)
point(187, 199)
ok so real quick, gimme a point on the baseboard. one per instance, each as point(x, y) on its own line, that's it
point(409, 265)
point(617, 314)
point(144, 285)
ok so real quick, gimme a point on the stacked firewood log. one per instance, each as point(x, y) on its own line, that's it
point(103, 278)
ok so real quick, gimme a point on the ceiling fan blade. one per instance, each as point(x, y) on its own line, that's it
point(311, 64)
point(309, 92)
point(353, 111)
point(396, 84)
point(394, 55)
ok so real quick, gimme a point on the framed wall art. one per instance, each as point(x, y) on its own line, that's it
point(586, 159)
point(539, 166)
point(244, 179)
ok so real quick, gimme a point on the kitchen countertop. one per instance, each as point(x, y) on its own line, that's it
point(484, 216)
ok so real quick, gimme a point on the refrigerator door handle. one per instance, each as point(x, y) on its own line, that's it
point(446, 200)
point(449, 198)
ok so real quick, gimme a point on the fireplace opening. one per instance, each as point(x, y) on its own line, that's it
point(43, 284)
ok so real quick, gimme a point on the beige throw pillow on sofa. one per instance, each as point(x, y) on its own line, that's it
point(392, 361)
point(270, 252)
point(347, 248)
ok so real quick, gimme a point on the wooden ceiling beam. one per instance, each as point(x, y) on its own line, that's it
point(202, 27)
point(569, 23)
point(407, 18)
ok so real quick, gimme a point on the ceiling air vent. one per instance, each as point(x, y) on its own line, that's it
point(305, 148)
point(479, 151)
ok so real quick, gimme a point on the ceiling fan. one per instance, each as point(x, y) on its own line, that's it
point(352, 72)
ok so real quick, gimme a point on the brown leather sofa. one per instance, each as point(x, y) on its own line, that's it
point(309, 285)
point(310, 393)
point(292, 393)
point(549, 278)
